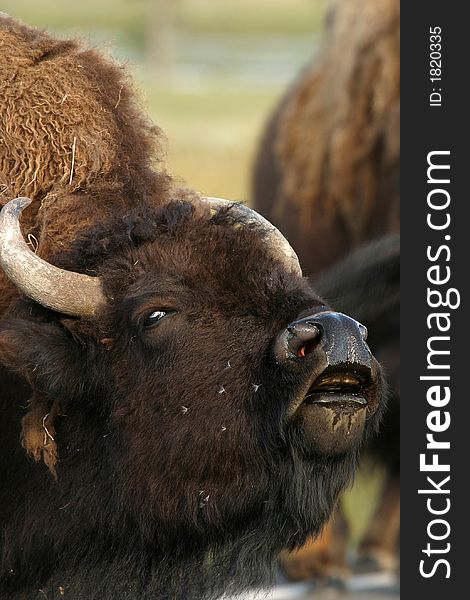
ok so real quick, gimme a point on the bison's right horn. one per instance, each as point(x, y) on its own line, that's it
point(280, 247)
point(64, 291)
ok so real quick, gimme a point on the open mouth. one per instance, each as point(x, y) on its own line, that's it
point(333, 411)
point(339, 386)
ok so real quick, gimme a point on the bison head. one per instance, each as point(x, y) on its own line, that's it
point(207, 403)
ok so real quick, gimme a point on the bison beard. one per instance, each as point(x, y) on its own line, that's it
point(173, 468)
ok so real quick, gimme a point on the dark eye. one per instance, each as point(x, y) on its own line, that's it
point(154, 317)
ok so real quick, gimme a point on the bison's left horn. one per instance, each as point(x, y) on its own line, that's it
point(280, 247)
point(64, 291)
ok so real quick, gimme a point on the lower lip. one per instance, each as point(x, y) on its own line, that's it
point(336, 399)
point(332, 423)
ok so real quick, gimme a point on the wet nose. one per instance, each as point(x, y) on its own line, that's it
point(339, 337)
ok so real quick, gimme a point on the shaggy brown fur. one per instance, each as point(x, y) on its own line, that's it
point(78, 146)
point(37, 429)
point(327, 167)
point(72, 138)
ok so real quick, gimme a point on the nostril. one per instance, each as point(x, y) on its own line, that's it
point(304, 338)
point(336, 337)
point(306, 349)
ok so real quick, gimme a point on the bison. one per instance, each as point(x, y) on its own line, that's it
point(178, 404)
point(327, 167)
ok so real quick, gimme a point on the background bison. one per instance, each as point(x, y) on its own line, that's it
point(328, 164)
point(196, 404)
point(328, 169)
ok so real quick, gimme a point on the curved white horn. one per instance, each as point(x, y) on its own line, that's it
point(64, 291)
point(281, 248)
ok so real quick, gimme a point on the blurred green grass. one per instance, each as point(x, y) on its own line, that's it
point(222, 16)
point(212, 136)
point(360, 500)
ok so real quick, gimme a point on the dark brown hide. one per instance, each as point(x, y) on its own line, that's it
point(327, 170)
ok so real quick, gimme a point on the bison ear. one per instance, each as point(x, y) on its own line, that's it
point(43, 352)
point(37, 425)
point(53, 359)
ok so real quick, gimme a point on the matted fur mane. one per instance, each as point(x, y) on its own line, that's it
point(73, 139)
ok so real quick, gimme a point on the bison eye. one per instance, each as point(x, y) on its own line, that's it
point(154, 317)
